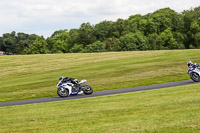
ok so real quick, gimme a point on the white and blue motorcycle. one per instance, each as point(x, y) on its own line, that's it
point(194, 73)
point(69, 86)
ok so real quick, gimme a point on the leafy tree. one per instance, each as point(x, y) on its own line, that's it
point(9, 43)
point(191, 46)
point(141, 41)
point(86, 34)
point(59, 42)
point(153, 41)
point(110, 43)
point(39, 46)
point(151, 27)
point(95, 47)
point(13, 43)
point(168, 40)
point(179, 37)
point(21, 45)
point(197, 40)
point(103, 30)
point(119, 28)
point(76, 48)
point(23, 41)
point(133, 22)
point(191, 25)
point(142, 25)
point(195, 27)
point(1, 44)
point(132, 41)
point(162, 29)
point(126, 43)
point(74, 37)
point(165, 18)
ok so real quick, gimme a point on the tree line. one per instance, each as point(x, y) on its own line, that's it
point(162, 29)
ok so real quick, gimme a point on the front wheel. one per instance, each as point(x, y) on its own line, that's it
point(195, 77)
point(87, 90)
point(62, 92)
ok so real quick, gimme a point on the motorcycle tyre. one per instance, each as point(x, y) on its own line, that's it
point(193, 78)
point(66, 95)
point(86, 92)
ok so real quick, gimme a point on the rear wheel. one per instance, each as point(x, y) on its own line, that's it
point(87, 90)
point(62, 92)
point(195, 77)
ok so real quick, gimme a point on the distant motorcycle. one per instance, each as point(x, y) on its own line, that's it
point(69, 86)
point(194, 73)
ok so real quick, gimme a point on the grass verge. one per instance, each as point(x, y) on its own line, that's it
point(35, 76)
point(171, 110)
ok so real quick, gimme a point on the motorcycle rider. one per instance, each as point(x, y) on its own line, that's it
point(192, 65)
point(68, 79)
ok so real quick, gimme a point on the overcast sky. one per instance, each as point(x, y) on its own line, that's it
point(43, 17)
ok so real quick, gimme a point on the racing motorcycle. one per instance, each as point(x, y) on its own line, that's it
point(194, 73)
point(70, 86)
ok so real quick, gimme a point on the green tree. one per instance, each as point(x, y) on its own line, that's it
point(133, 22)
point(95, 47)
point(59, 42)
point(132, 41)
point(110, 43)
point(39, 46)
point(13, 43)
point(195, 27)
point(86, 34)
point(119, 28)
point(76, 48)
point(165, 18)
point(9, 43)
point(73, 37)
point(153, 41)
point(151, 27)
point(197, 40)
point(23, 41)
point(180, 37)
point(191, 25)
point(168, 40)
point(2, 44)
point(103, 30)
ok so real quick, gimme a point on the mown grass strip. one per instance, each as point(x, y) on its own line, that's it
point(174, 109)
point(35, 76)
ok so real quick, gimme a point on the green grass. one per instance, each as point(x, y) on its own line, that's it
point(35, 76)
point(166, 110)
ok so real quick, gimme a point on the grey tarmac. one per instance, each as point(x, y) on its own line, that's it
point(99, 93)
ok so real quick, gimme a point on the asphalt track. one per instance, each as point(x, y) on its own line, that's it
point(99, 93)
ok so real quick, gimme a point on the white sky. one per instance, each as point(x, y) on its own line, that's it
point(43, 17)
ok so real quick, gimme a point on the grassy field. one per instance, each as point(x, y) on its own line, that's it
point(35, 76)
point(169, 110)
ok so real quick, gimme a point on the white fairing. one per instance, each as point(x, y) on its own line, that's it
point(195, 70)
point(66, 86)
point(83, 81)
point(69, 86)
